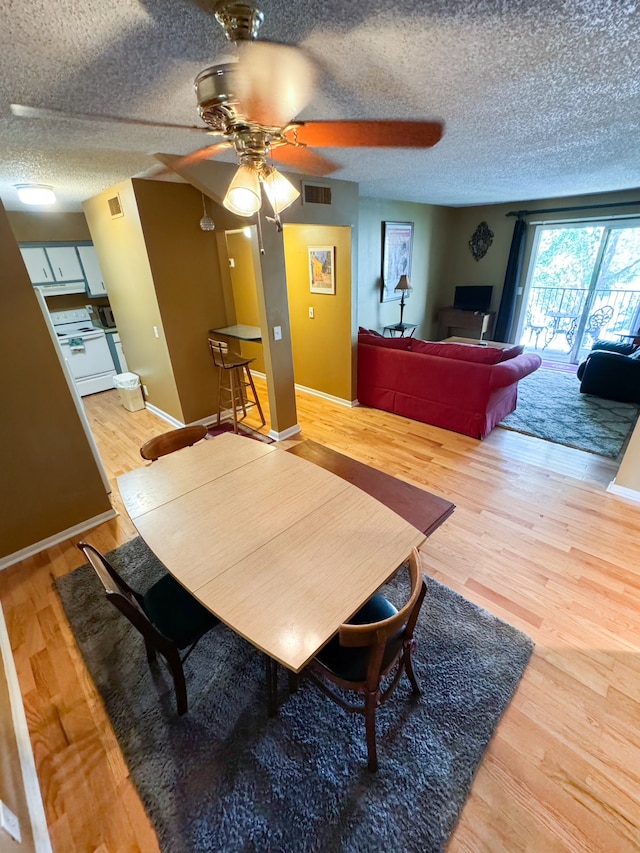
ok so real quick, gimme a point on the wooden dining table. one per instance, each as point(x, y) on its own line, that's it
point(280, 549)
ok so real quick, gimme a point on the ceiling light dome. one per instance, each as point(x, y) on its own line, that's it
point(35, 194)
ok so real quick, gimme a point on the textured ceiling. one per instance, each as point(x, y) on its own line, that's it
point(539, 100)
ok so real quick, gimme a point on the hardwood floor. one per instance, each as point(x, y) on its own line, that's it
point(535, 539)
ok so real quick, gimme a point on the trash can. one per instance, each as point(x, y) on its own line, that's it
point(128, 384)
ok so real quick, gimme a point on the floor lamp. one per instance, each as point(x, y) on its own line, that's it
point(403, 286)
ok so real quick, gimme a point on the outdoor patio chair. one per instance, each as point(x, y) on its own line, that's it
point(539, 326)
point(598, 319)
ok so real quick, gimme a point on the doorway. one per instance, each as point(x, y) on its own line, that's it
point(583, 284)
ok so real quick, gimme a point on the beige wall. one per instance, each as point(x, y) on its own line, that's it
point(163, 271)
point(628, 476)
point(50, 480)
point(429, 266)
point(185, 268)
point(463, 269)
point(123, 258)
point(48, 227)
point(322, 345)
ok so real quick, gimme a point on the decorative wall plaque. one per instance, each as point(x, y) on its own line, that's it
point(480, 241)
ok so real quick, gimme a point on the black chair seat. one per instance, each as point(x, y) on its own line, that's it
point(378, 640)
point(351, 663)
point(176, 613)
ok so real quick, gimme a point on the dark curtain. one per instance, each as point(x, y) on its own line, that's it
point(507, 310)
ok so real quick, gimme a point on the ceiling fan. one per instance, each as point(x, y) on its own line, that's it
point(251, 99)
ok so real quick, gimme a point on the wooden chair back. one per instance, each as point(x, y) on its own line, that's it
point(390, 643)
point(224, 358)
point(175, 439)
point(127, 600)
point(377, 634)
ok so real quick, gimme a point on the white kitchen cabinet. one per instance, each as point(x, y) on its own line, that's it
point(92, 271)
point(37, 264)
point(65, 263)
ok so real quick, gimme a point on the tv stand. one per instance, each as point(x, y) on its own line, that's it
point(478, 323)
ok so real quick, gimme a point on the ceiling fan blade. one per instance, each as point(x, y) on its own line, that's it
point(175, 164)
point(273, 82)
point(304, 160)
point(23, 111)
point(370, 134)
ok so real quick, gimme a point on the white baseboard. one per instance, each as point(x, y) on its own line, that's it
point(286, 433)
point(165, 417)
point(50, 541)
point(339, 400)
point(37, 817)
point(623, 492)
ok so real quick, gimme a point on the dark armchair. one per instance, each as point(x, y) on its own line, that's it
point(612, 371)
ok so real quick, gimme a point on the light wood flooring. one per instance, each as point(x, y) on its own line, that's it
point(535, 539)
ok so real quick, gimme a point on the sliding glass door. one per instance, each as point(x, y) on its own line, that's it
point(583, 284)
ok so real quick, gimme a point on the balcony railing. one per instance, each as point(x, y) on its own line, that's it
point(554, 314)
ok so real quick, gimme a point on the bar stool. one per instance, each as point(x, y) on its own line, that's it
point(234, 382)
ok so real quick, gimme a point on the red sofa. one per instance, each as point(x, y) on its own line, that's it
point(462, 387)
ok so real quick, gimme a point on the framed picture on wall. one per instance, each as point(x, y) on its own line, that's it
point(321, 269)
point(397, 248)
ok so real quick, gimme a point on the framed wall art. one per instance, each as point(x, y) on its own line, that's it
point(397, 248)
point(321, 269)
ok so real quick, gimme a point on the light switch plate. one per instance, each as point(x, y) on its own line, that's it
point(277, 333)
point(311, 313)
point(9, 822)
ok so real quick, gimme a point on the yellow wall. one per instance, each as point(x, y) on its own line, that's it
point(270, 273)
point(322, 345)
point(50, 480)
point(244, 307)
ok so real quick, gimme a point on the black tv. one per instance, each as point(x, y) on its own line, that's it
point(475, 297)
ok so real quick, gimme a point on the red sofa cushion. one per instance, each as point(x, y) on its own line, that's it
point(511, 352)
point(375, 340)
point(461, 352)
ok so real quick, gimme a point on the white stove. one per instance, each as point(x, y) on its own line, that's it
point(84, 348)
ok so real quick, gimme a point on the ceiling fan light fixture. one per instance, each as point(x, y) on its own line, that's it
point(280, 191)
point(37, 194)
point(243, 196)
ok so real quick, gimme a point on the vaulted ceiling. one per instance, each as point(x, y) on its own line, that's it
point(538, 100)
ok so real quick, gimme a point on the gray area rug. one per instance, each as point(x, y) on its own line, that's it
point(550, 406)
point(226, 777)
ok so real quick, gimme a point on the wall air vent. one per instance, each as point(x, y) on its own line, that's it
point(115, 208)
point(316, 194)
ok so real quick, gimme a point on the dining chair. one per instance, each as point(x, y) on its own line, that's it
point(175, 439)
point(377, 640)
point(169, 618)
point(234, 381)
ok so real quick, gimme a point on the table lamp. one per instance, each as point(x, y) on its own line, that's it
point(403, 286)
